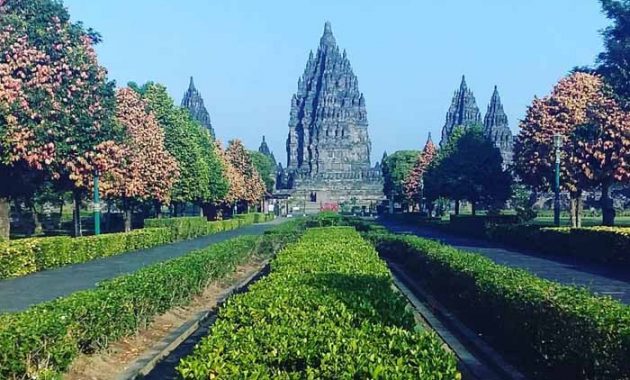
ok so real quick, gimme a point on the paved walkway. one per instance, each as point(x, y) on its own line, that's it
point(19, 293)
point(599, 279)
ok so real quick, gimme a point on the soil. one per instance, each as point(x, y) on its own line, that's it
point(106, 365)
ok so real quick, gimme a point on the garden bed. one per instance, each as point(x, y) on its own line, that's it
point(327, 310)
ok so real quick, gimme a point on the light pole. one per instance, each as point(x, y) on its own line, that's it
point(97, 206)
point(557, 144)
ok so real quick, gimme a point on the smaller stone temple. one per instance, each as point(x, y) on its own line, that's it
point(264, 149)
point(497, 128)
point(462, 112)
point(465, 113)
point(193, 102)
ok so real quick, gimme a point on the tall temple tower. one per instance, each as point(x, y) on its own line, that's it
point(497, 129)
point(328, 147)
point(462, 112)
point(193, 102)
point(264, 149)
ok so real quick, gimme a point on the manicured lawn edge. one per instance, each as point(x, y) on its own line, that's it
point(326, 310)
point(43, 340)
point(555, 331)
point(25, 256)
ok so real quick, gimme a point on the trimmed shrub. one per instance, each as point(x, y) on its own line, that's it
point(554, 331)
point(326, 311)
point(22, 257)
point(601, 244)
point(25, 256)
point(43, 340)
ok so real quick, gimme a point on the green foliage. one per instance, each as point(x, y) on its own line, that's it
point(201, 175)
point(326, 311)
point(522, 203)
point(266, 168)
point(44, 339)
point(613, 62)
point(470, 168)
point(396, 168)
point(25, 256)
point(601, 244)
point(554, 331)
point(192, 227)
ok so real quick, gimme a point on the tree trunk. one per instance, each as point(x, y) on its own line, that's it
point(36, 222)
point(158, 209)
point(572, 211)
point(608, 211)
point(578, 211)
point(457, 207)
point(127, 216)
point(473, 206)
point(60, 222)
point(108, 224)
point(76, 213)
point(200, 211)
point(5, 218)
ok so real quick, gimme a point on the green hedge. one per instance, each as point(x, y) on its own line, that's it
point(554, 331)
point(326, 311)
point(21, 257)
point(44, 339)
point(601, 244)
point(25, 256)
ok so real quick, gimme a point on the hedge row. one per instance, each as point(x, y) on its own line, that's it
point(554, 331)
point(601, 244)
point(326, 311)
point(43, 340)
point(25, 256)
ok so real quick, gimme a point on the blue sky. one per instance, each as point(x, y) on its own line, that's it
point(246, 56)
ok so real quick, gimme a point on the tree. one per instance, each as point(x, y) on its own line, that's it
point(56, 105)
point(472, 170)
point(413, 186)
point(266, 168)
point(146, 171)
point(614, 62)
point(601, 151)
point(559, 113)
point(201, 179)
point(254, 188)
point(396, 168)
point(235, 179)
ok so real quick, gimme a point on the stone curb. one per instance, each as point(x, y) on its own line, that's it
point(484, 363)
point(143, 365)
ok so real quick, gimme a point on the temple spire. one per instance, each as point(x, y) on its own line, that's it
point(328, 40)
point(193, 102)
point(462, 112)
point(496, 127)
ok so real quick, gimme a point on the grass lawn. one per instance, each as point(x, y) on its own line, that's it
point(587, 221)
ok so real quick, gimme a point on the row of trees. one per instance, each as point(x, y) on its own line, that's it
point(62, 122)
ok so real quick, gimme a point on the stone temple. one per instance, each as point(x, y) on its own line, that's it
point(193, 102)
point(328, 147)
point(464, 112)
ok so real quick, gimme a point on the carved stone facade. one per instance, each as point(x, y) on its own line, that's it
point(464, 112)
point(328, 147)
point(193, 102)
point(496, 127)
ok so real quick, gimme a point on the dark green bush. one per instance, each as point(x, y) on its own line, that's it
point(554, 331)
point(44, 339)
point(601, 244)
point(326, 311)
